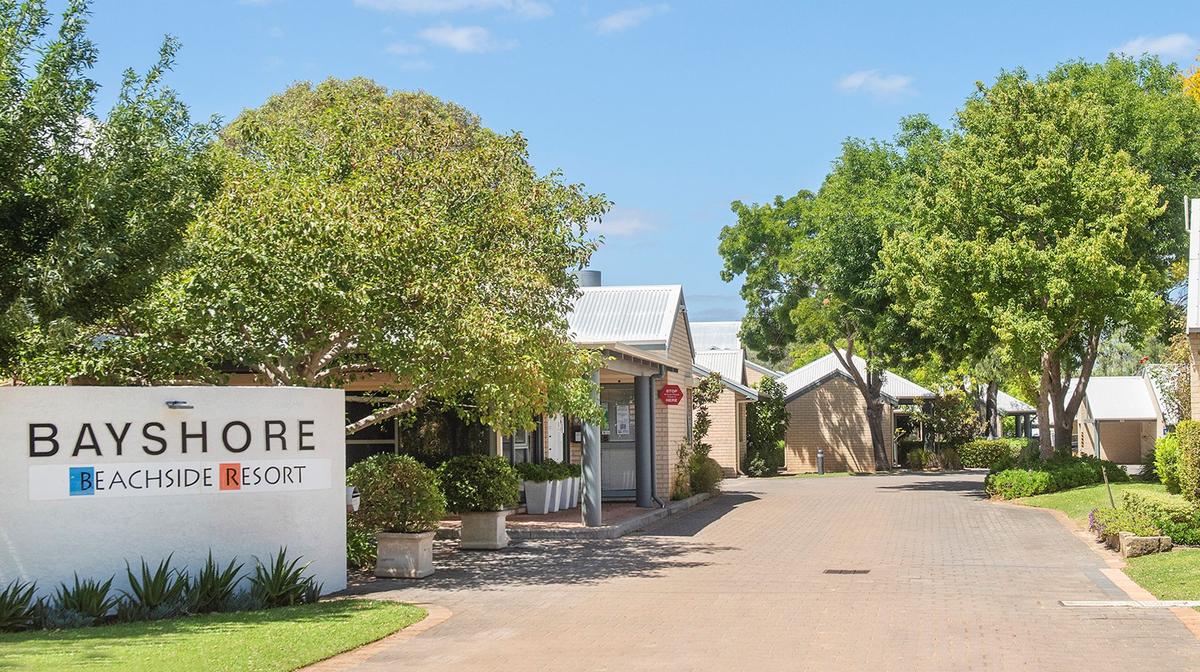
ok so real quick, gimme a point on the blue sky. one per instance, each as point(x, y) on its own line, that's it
point(672, 110)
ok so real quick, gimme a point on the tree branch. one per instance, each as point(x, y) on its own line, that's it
point(415, 399)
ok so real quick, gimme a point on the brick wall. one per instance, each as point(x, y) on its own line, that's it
point(724, 433)
point(832, 416)
point(1194, 343)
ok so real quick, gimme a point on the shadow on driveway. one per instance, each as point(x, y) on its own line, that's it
point(545, 562)
point(689, 524)
point(960, 482)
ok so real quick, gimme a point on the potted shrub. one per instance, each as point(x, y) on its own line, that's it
point(565, 481)
point(539, 487)
point(484, 490)
point(576, 472)
point(400, 500)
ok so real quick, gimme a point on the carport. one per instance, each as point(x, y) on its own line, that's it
point(1126, 412)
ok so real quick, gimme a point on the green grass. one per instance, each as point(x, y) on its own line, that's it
point(275, 639)
point(1169, 576)
point(1077, 503)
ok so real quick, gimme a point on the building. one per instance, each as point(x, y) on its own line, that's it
point(1192, 215)
point(827, 412)
point(1125, 412)
point(719, 349)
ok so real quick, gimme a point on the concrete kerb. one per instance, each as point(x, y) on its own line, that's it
point(1116, 564)
point(613, 531)
point(434, 615)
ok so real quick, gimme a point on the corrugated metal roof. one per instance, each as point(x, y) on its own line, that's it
point(633, 314)
point(701, 371)
point(726, 362)
point(1118, 398)
point(816, 372)
point(716, 335)
point(1009, 404)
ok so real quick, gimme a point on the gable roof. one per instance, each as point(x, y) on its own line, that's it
point(716, 335)
point(726, 362)
point(1009, 405)
point(702, 371)
point(815, 373)
point(1118, 398)
point(642, 315)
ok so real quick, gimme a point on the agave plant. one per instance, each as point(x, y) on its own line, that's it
point(90, 599)
point(18, 609)
point(153, 594)
point(280, 582)
point(213, 587)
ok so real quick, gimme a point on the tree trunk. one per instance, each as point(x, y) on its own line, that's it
point(992, 410)
point(878, 440)
point(1043, 411)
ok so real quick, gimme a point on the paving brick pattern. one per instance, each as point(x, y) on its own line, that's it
point(954, 583)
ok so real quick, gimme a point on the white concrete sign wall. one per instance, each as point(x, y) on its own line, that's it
point(93, 476)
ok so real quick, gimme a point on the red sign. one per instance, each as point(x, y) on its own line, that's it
point(671, 395)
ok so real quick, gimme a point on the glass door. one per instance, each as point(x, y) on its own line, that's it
point(617, 455)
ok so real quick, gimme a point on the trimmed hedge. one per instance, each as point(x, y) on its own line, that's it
point(1187, 470)
point(1166, 462)
point(986, 453)
point(1174, 515)
point(479, 483)
point(1040, 477)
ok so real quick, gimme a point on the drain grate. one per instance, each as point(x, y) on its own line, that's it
point(846, 571)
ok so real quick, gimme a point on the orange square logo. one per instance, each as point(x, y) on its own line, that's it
point(231, 476)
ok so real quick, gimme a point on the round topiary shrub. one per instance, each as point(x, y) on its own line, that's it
point(706, 474)
point(396, 494)
point(479, 483)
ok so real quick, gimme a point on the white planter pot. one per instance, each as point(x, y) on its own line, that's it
point(576, 489)
point(555, 496)
point(565, 499)
point(404, 556)
point(483, 530)
point(537, 497)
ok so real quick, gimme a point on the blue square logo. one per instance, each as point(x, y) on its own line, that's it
point(83, 481)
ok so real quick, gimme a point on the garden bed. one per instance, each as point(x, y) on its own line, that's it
point(281, 639)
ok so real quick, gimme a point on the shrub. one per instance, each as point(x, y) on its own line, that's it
point(949, 459)
point(984, 453)
point(281, 583)
point(1174, 515)
point(1149, 472)
point(1166, 462)
point(86, 602)
point(1106, 522)
point(1187, 469)
point(153, 595)
point(536, 473)
point(361, 544)
point(574, 470)
point(18, 608)
point(479, 483)
point(706, 474)
point(396, 494)
point(1036, 477)
point(213, 587)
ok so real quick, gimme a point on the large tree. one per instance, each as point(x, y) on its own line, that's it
point(811, 262)
point(1037, 232)
point(387, 236)
point(91, 207)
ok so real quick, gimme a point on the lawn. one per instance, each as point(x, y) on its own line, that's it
point(275, 639)
point(1079, 502)
point(1170, 576)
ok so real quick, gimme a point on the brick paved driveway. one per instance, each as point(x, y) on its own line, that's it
point(954, 583)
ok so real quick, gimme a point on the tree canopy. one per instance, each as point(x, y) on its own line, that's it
point(386, 236)
point(1037, 231)
point(91, 207)
point(810, 262)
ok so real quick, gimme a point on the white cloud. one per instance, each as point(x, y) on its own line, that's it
point(628, 18)
point(1175, 45)
point(624, 222)
point(531, 9)
point(404, 49)
point(465, 39)
point(876, 83)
